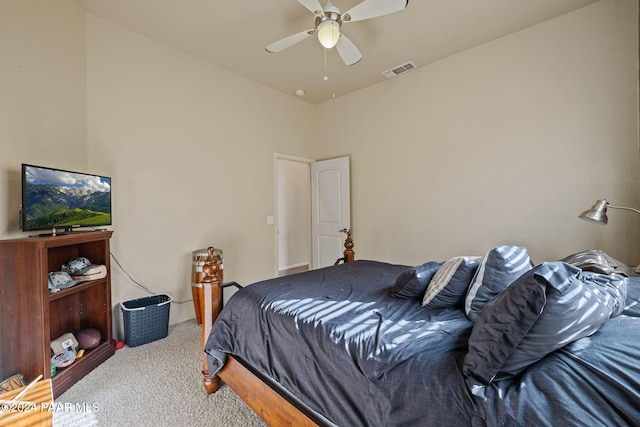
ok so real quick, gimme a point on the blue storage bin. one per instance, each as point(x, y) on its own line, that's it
point(146, 319)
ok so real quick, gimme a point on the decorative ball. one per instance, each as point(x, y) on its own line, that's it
point(88, 338)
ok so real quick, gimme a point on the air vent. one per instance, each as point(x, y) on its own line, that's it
point(395, 71)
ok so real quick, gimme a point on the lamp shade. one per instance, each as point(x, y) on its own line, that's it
point(328, 33)
point(597, 213)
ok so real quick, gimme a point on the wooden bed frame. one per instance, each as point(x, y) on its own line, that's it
point(266, 401)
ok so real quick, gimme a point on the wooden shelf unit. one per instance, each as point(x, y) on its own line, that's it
point(30, 317)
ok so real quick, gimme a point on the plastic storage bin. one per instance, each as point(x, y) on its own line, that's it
point(145, 319)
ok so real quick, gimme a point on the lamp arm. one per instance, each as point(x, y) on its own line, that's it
point(624, 208)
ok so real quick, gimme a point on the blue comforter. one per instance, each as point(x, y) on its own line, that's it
point(337, 341)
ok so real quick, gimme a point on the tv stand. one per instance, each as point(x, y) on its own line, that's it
point(32, 317)
point(66, 232)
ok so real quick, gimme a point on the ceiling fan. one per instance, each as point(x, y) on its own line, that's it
point(328, 23)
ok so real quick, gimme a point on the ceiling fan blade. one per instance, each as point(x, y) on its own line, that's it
point(348, 51)
point(313, 5)
point(286, 42)
point(373, 8)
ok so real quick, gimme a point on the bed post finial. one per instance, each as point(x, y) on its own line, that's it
point(349, 254)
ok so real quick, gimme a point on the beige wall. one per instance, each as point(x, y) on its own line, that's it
point(502, 144)
point(190, 149)
point(42, 94)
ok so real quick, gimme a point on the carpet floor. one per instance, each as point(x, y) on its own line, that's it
point(155, 384)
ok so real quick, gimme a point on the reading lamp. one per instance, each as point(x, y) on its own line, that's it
point(598, 214)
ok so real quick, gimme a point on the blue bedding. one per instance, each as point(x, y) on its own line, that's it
point(337, 340)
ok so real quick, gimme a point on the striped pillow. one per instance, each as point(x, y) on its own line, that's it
point(449, 285)
point(499, 268)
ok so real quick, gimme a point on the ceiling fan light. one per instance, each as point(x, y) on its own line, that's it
point(328, 33)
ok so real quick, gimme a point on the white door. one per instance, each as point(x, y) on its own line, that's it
point(330, 210)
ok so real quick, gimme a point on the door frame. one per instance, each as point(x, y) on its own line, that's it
point(277, 157)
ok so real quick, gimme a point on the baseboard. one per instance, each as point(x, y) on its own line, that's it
point(293, 269)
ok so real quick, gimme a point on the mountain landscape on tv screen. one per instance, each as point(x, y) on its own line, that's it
point(51, 205)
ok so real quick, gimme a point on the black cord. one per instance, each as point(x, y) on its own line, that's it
point(140, 284)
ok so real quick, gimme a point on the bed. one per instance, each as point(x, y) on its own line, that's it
point(482, 341)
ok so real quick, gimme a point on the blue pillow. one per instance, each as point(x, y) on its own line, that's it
point(545, 309)
point(412, 282)
point(449, 285)
point(499, 268)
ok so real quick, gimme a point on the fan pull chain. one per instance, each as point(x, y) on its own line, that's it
point(325, 65)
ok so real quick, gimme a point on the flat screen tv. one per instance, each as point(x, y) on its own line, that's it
point(65, 200)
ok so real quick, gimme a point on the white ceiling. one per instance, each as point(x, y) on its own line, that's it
point(232, 34)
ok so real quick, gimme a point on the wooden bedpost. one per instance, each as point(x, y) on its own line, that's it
point(210, 281)
point(349, 254)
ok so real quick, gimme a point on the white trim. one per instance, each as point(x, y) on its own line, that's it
point(289, 267)
point(292, 158)
point(276, 158)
